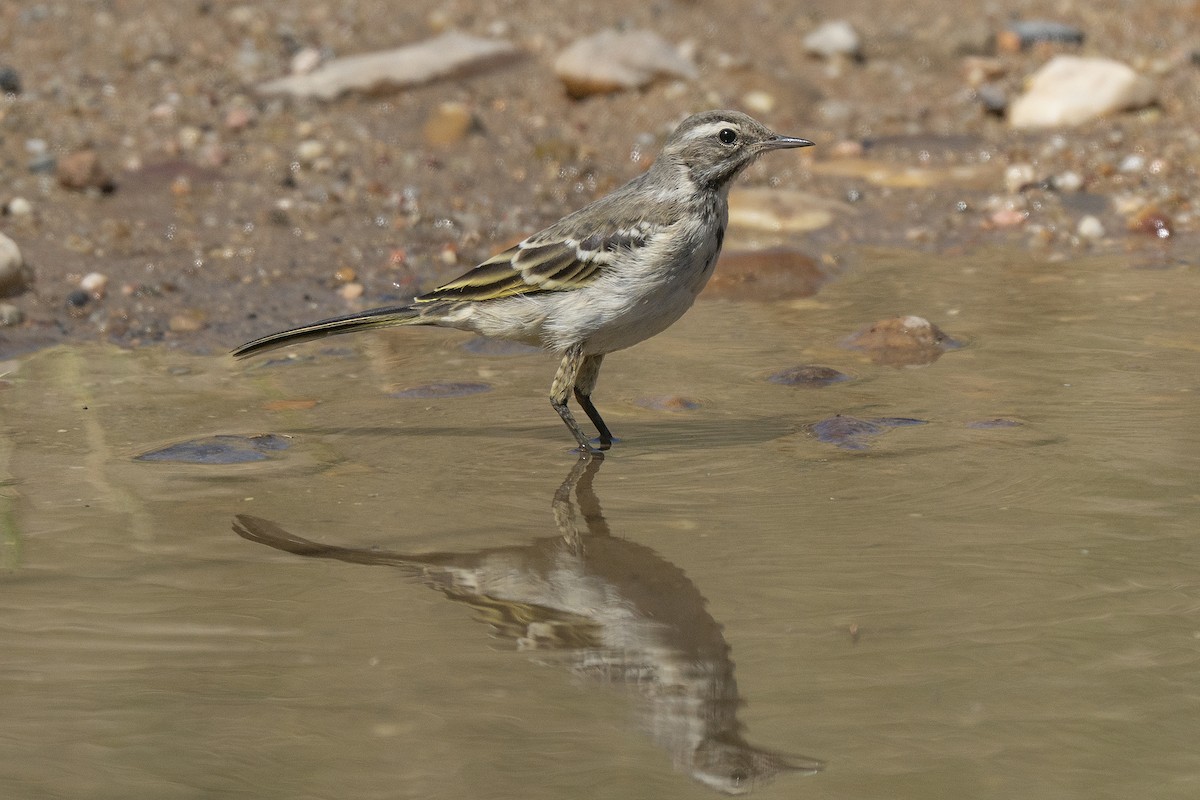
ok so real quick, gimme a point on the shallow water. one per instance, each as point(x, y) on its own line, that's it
point(962, 608)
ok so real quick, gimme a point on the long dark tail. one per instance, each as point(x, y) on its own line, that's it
point(375, 318)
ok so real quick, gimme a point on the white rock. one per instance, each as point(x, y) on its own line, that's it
point(12, 267)
point(1068, 181)
point(19, 207)
point(1069, 90)
point(1018, 176)
point(613, 61)
point(94, 283)
point(833, 39)
point(449, 55)
point(1090, 228)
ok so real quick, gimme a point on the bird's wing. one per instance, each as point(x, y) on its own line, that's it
point(545, 262)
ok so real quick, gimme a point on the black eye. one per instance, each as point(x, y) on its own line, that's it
point(727, 136)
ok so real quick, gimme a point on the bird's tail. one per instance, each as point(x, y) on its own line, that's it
point(375, 318)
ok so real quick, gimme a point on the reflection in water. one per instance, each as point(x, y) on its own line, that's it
point(604, 607)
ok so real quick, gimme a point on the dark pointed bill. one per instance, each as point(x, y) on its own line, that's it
point(782, 142)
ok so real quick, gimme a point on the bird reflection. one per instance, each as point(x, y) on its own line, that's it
point(604, 607)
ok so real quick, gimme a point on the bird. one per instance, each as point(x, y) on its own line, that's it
point(606, 277)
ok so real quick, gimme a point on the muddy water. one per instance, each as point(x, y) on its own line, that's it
point(429, 596)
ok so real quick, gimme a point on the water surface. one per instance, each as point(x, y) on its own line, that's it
point(1000, 602)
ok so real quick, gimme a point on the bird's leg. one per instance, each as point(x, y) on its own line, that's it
point(560, 390)
point(585, 382)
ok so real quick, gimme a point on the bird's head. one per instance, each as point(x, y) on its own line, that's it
point(714, 146)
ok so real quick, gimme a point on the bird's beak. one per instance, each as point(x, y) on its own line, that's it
point(783, 142)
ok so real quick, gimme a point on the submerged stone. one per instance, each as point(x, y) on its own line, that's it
point(220, 449)
point(852, 433)
point(812, 375)
point(435, 391)
point(903, 341)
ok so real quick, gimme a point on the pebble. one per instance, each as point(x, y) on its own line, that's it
point(1018, 176)
point(351, 291)
point(95, 284)
point(448, 125)
point(1021, 34)
point(834, 39)
point(1090, 228)
point(14, 278)
point(188, 321)
point(10, 315)
point(809, 375)
point(437, 391)
point(852, 433)
point(1068, 181)
point(759, 102)
point(1152, 221)
point(780, 210)
point(1070, 90)
point(221, 449)
point(10, 80)
point(310, 150)
point(305, 61)
point(613, 61)
point(18, 207)
point(450, 55)
point(82, 170)
point(903, 341)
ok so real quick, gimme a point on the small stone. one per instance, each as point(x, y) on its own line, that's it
point(14, 278)
point(809, 375)
point(188, 321)
point(345, 275)
point(449, 55)
point(1133, 162)
point(10, 315)
point(1070, 90)
point(448, 125)
point(1090, 228)
point(1022, 34)
point(77, 298)
point(309, 151)
point(613, 61)
point(834, 39)
point(1008, 217)
point(305, 61)
point(993, 98)
point(1068, 182)
point(759, 102)
point(438, 391)
point(82, 170)
point(220, 449)
point(1018, 176)
point(672, 403)
point(239, 118)
point(903, 341)
point(95, 284)
point(351, 291)
point(18, 207)
point(1152, 221)
point(10, 80)
point(852, 433)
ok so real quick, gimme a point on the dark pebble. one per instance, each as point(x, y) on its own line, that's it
point(1030, 32)
point(852, 433)
point(78, 298)
point(10, 81)
point(221, 449)
point(993, 98)
point(435, 391)
point(812, 375)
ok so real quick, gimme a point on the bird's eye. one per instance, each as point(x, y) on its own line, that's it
point(727, 136)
